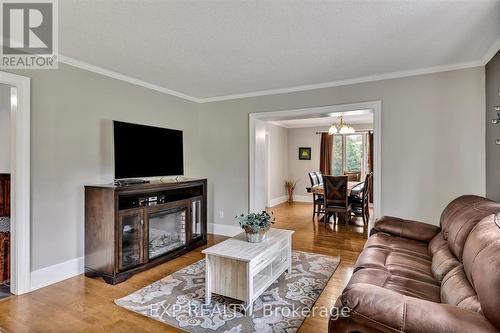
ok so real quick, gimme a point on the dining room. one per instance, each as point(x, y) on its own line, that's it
point(325, 163)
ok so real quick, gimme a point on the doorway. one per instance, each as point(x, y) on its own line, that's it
point(259, 193)
point(19, 178)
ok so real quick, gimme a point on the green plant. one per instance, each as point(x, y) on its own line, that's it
point(255, 222)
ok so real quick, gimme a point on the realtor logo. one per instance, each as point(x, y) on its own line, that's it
point(29, 34)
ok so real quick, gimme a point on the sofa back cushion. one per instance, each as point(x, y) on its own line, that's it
point(481, 261)
point(460, 217)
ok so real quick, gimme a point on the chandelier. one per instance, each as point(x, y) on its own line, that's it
point(341, 127)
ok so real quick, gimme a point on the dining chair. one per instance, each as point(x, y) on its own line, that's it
point(317, 199)
point(354, 176)
point(360, 198)
point(336, 200)
point(319, 175)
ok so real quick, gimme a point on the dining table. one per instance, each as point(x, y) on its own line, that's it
point(318, 189)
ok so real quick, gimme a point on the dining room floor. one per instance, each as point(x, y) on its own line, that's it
point(82, 304)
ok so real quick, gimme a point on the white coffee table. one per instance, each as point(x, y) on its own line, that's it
point(241, 270)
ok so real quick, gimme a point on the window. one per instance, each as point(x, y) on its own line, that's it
point(353, 152)
point(349, 153)
point(337, 164)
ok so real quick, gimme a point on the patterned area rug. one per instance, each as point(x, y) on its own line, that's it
point(178, 299)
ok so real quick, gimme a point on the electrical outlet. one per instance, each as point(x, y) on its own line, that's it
point(221, 214)
point(497, 142)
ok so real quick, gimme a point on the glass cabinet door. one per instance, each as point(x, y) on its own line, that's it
point(131, 239)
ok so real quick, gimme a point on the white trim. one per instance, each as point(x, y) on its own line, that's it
point(278, 201)
point(303, 198)
point(393, 75)
point(20, 177)
point(49, 275)
point(224, 229)
point(125, 78)
point(376, 106)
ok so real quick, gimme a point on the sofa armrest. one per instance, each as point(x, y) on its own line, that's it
point(387, 311)
point(405, 228)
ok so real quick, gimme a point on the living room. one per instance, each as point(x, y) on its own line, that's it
point(429, 71)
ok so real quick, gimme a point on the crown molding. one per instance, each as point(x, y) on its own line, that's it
point(365, 79)
point(394, 75)
point(122, 77)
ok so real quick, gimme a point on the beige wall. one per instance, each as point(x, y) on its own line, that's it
point(298, 169)
point(4, 128)
point(71, 145)
point(432, 140)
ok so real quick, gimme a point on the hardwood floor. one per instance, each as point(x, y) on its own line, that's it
point(82, 304)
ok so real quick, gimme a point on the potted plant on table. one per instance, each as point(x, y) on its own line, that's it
point(256, 225)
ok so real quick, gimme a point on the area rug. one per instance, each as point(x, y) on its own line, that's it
point(178, 299)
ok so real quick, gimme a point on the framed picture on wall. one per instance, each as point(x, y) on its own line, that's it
point(304, 153)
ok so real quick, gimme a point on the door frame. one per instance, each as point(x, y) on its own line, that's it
point(376, 106)
point(20, 261)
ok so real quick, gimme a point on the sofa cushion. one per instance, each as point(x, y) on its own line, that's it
point(460, 216)
point(482, 265)
point(456, 290)
point(455, 208)
point(419, 231)
point(437, 243)
point(399, 284)
point(398, 244)
point(443, 261)
point(396, 263)
point(375, 309)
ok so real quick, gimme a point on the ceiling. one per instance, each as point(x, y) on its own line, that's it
point(207, 50)
point(364, 117)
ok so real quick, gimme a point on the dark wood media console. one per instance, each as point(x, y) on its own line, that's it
point(129, 229)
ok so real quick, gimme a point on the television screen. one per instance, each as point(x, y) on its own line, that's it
point(147, 151)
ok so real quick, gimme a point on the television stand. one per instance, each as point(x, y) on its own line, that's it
point(129, 229)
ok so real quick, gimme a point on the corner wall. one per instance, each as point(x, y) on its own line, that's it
point(492, 131)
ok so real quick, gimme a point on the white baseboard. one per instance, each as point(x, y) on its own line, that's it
point(303, 198)
point(278, 200)
point(49, 275)
point(224, 229)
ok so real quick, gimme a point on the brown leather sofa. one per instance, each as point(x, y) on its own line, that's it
point(416, 277)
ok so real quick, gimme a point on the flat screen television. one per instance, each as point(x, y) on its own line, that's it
point(147, 151)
